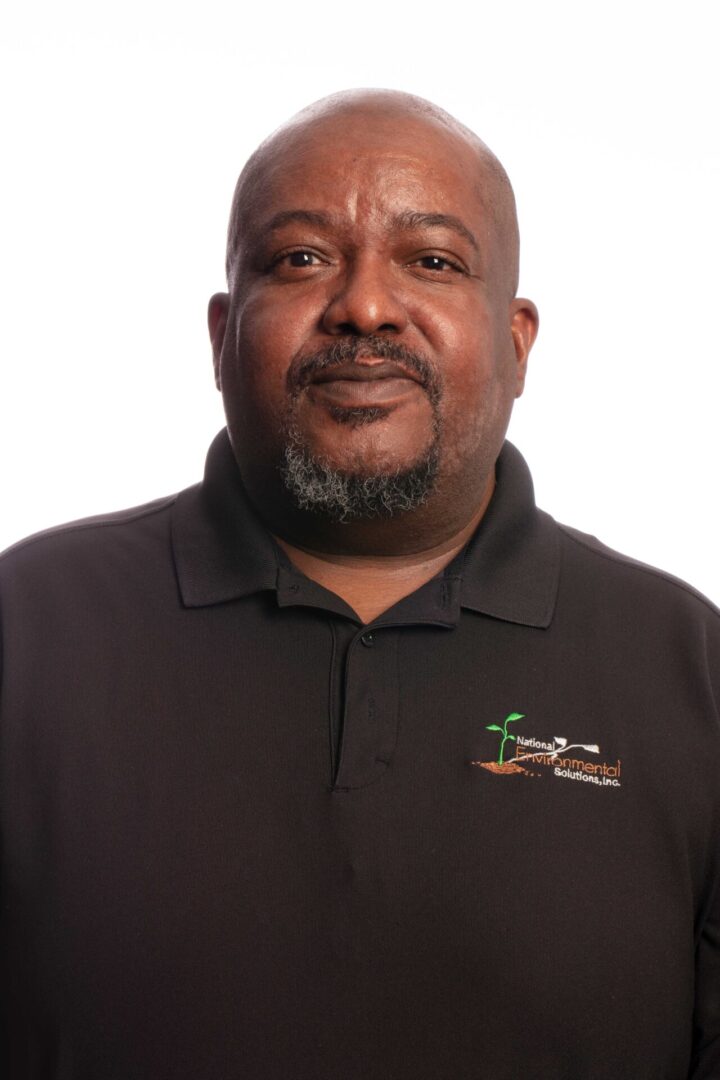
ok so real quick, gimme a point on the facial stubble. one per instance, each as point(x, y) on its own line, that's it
point(338, 495)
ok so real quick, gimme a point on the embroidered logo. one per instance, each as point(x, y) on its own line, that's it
point(502, 766)
point(549, 756)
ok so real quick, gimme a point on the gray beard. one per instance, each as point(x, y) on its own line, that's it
point(354, 496)
point(344, 497)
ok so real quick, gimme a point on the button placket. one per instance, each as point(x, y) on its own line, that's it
point(370, 721)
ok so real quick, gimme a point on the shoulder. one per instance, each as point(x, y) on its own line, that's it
point(590, 564)
point(91, 537)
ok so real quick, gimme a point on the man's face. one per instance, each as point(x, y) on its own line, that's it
point(371, 328)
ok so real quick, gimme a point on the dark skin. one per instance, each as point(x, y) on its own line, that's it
point(369, 217)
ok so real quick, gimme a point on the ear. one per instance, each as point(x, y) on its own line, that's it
point(524, 323)
point(218, 309)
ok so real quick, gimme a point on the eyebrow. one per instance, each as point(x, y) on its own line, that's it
point(307, 217)
point(407, 220)
point(413, 219)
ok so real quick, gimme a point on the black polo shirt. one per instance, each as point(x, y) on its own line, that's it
point(244, 836)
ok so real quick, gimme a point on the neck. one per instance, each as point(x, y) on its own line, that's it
point(370, 583)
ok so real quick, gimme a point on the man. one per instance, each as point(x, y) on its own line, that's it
point(349, 761)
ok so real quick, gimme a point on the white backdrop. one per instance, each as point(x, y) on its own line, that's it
point(124, 128)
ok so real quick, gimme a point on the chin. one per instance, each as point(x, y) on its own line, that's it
point(357, 490)
point(365, 442)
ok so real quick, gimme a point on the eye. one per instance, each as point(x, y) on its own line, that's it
point(296, 260)
point(301, 258)
point(436, 266)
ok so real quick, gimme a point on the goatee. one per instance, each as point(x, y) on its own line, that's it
point(353, 496)
point(344, 496)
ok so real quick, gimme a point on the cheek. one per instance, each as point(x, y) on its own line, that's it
point(469, 351)
point(479, 388)
point(259, 355)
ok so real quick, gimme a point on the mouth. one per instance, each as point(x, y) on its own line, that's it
point(365, 385)
point(373, 372)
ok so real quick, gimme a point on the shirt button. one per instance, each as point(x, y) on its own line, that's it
point(368, 640)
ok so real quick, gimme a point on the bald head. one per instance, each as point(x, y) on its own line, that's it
point(401, 117)
point(371, 334)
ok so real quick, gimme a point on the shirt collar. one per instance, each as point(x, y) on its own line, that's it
point(222, 550)
point(510, 569)
point(512, 563)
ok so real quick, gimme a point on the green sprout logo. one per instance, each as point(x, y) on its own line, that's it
point(510, 719)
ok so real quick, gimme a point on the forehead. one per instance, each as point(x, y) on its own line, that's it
point(357, 169)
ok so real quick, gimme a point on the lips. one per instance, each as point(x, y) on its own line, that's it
point(372, 372)
point(356, 385)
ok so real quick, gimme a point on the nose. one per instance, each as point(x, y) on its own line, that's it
point(366, 301)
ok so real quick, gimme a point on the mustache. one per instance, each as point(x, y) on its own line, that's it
point(348, 350)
